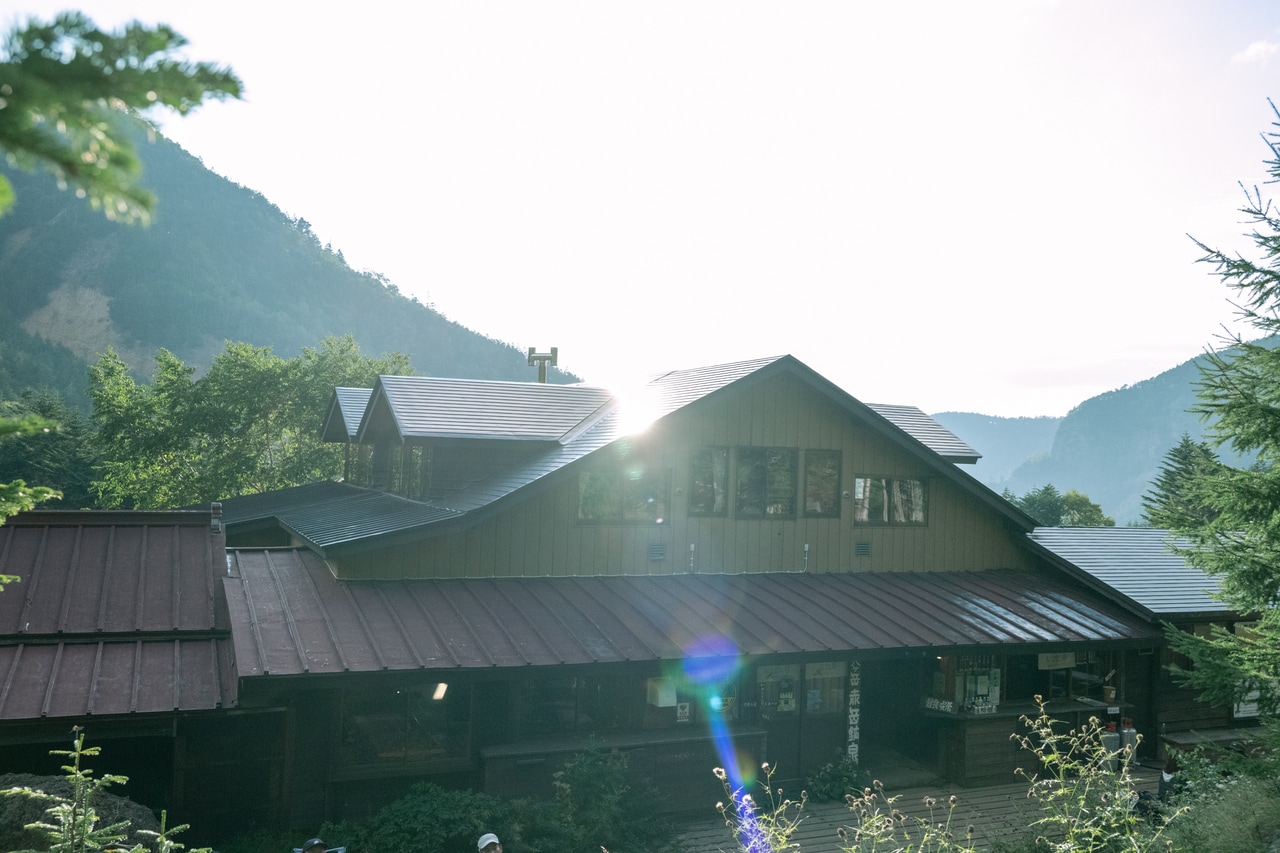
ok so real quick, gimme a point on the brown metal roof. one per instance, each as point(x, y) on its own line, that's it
point(115, 612)
point(292, 617)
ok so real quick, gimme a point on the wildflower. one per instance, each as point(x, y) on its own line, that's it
point(952, 801)
point(720, 774)
point(930, 802)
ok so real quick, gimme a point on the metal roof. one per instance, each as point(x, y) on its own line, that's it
point(431, 407)
point(928, 432)
point(115, 612)
point(678, 388)
point(1138, 564)
point(346, 410)
point(363, 522)
point(292, 616)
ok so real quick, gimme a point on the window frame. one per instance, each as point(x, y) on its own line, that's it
point(891, 497)
point(694, 489)
point(767, 492)
point(621, 480)
point(809, 455)
point(393, 721)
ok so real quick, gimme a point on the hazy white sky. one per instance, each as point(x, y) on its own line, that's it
point(977, 206)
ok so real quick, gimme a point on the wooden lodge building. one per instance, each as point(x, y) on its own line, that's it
point(514, 571)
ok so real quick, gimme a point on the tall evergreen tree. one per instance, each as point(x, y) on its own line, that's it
point(1239, 542)
point(1052, 508)
point(1174, 499)
point(62, 458)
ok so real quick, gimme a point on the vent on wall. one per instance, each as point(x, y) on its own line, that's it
point(862, 549)
point(657, 552)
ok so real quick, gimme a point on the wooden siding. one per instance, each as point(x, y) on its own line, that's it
point(541, 535)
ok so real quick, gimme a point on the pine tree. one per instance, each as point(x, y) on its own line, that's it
point(1174, 500)
point(1239, 395)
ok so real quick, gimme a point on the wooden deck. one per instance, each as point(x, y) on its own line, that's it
point(991, 811)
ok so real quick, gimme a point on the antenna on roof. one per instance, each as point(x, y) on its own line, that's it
point(541, 359)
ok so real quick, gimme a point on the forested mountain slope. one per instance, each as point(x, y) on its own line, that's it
point(1110, 446)
point(218, 263)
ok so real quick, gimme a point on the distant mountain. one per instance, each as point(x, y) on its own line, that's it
point(222, 263)
point(1110, 446)
point(1005, 443)
point(218, 263)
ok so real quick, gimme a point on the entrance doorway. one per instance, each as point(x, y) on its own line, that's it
point(898, 744)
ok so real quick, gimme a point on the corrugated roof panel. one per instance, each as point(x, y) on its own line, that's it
point(115, 613)
point(1138, 563)
point(119, 677)
point(100, 575)
point(928, 432)
point(546, 621)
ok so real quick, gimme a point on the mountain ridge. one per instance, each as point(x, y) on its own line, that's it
point(221, 263)
point(1110, 446)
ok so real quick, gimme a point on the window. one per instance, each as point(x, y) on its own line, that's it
point(890, 500)
point(822, 483)
point(824, 687)
point(633, 496)
point(709, 481)
point(766, 483)
point(577, 705)
point(412, 725)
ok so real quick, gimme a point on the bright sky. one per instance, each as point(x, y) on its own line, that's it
point(975, 206)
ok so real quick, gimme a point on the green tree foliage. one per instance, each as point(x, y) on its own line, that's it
point(1051, 508)
point(1239, 395)
point(1173, 500)
point(71, 96)
point(17, 495)
point(251, 424)
point(62, 458)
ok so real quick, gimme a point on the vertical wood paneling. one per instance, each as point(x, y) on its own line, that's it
point(541, 535)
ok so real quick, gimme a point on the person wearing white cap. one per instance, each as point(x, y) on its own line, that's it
point(489, 843)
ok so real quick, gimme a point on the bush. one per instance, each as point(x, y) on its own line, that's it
point(594, 806)
point(427, 818)
point(836, 780)
point(1232, 797)
point(597, 801)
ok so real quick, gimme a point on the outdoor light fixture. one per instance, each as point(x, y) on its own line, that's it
point(440, 691)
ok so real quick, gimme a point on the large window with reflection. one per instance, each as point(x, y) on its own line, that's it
point(709, 481)
point(822, 483)
point(633, 495)
point(890, 500)
point(405, 726)
point(765, 479)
